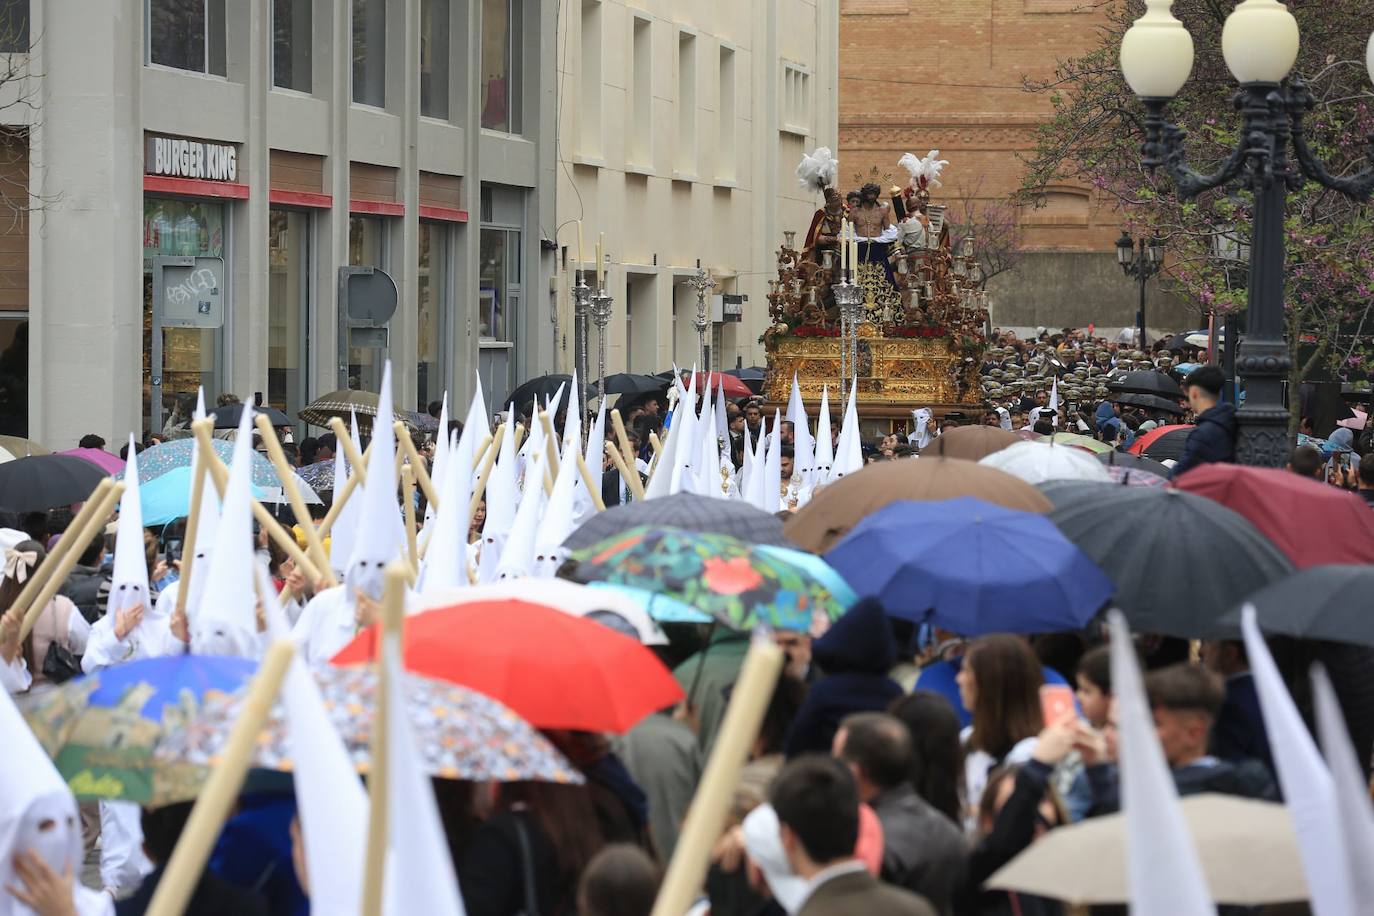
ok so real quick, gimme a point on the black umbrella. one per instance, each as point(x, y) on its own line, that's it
point(1323, 602)
point(1176, 343)
point(752, 376)
point(1118, 459)
point(46, 482)
point(1145, 381)
point(227, 417)
point(629, 383)
point(541, 388)
point(1168, 445)
point(683, 510)
point(1151, 402)
point(1179, 561)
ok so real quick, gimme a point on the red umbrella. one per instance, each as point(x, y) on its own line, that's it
point(734, 388)
point(1313, 523)
point(110, 464)
point(554, 669)
point(1162, 441)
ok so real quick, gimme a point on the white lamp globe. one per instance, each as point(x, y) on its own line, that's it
point(1156, 53)
point(1260, 41)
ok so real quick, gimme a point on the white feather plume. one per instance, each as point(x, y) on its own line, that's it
point(912, 164)
point(818, 171)
point(931, 167)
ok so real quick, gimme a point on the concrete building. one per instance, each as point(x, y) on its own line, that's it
point(680, 127)
point(921, 76)
point(202, 171)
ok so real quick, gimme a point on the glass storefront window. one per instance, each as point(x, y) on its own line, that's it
point(187, 35)
point(288, 309)
point(431, 301)
point(367, 247)
point(502, 34)
point(369, 52)
point(434, 45)
point(190, 356)
point(291, 44)
point(500, 256)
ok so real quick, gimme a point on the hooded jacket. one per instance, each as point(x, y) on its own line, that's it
point(855, 655)
point(1212, 440)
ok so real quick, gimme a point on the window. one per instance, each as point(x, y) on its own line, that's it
point(14, 375)
point(685, 162)
point(431, 300)
point(288, 309)
point(642, 94)
point(589, 140)
point(291, 43)
point(435, 40)
point(369, 52)
point(502, 270)
point(725, 139)
point(796, 99)
point(14, 30)
point(502, 34)
point(367, 247)
point(187, 35)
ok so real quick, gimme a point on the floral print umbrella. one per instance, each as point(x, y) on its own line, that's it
point(160, 459)
point(739, 584)
point(461, 734)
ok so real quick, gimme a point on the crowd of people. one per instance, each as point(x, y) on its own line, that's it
point(896, 769)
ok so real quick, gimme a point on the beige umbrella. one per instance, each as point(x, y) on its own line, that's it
point(346, 402)
point(1248, 849)
point(20, 447)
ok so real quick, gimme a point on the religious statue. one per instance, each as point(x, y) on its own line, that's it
point(912, 202)
point(817, 172)
point(875, 229)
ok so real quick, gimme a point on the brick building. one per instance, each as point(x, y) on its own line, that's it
point(916, 76)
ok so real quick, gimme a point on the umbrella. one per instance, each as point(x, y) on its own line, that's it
point(1038, 462)
point(1179, 561)
point(1162, 442)
point(169, 497)
point(837, 508)
point(1150, 402)
point(604, 605)
point(418, 420)
point(1176, 343)
point(1200, 338)
point(20, 447)
point(972, 442)
point(102, 729)
point(971, 567)
point(1145, 381)
point(1311, 522)
point(169, 456)
point(687, 511)
point(730, 579)
point(107, 462)
point(47, 481)
point(1086, 443)
point(227, 416)
point(345, 403)
point(1028, 435)
point(318, 476)
point(1324, 602)
point(733, 386)
point(553, 669)
point(1248, 851)
point(459, 733)
point(1127, 461)
point(752, 376)
point(628, 383)
point(541, 388)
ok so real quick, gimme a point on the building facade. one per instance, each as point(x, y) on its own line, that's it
point(921, 76)
point(226, 194)
point(681, 125)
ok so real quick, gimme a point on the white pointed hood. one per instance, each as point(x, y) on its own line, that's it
point(381, 534)
point(772, 468)
point(209, 504)
point(227, 624)
point(33, 793)
point(686, 455)
point(1308, 788)
point(1164, 874)
point(572, 426)
point(501, 498)
point(1352, 789)
point(584, 503)
point(921, 436)
point(746, 470)
point(420, 877)
point(803, 449)
point(517, 556)
point(849, 456)
point(344, 532)
point(129, 582)
point(825, 448)
point(661, 482)
point(557, 523)
point(477, 411)
point(440, 465)
point(445, 562)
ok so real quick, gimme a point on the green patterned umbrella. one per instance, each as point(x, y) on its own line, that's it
point(740, 584)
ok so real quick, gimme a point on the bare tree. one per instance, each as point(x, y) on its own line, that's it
point(994, 226)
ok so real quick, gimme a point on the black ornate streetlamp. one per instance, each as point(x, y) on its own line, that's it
point(1140, 264)
point(1260, 44)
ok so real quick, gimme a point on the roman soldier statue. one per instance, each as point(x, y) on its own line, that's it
point(817, 172)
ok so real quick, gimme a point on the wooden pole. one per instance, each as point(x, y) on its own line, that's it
point(631, 477)
point(550, 452)
point(212, 806)
point(188, 543)
point(350, 448)
point(285, 540)
point(417, 461)
point(587, 481)
point(479, 488)
point(374, 868)
point(313, 544)
point(706, 816)
point(57, 572)
point(481, 451)
point(352, 484)
point(658, 453)
point(408, 495)
point(40, 576)
point(622, 437)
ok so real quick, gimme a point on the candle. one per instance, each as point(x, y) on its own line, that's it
point(579, 246)
point(600, 259)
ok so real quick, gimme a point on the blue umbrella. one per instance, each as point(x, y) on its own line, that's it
point(971, 567)
point(169, 497)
